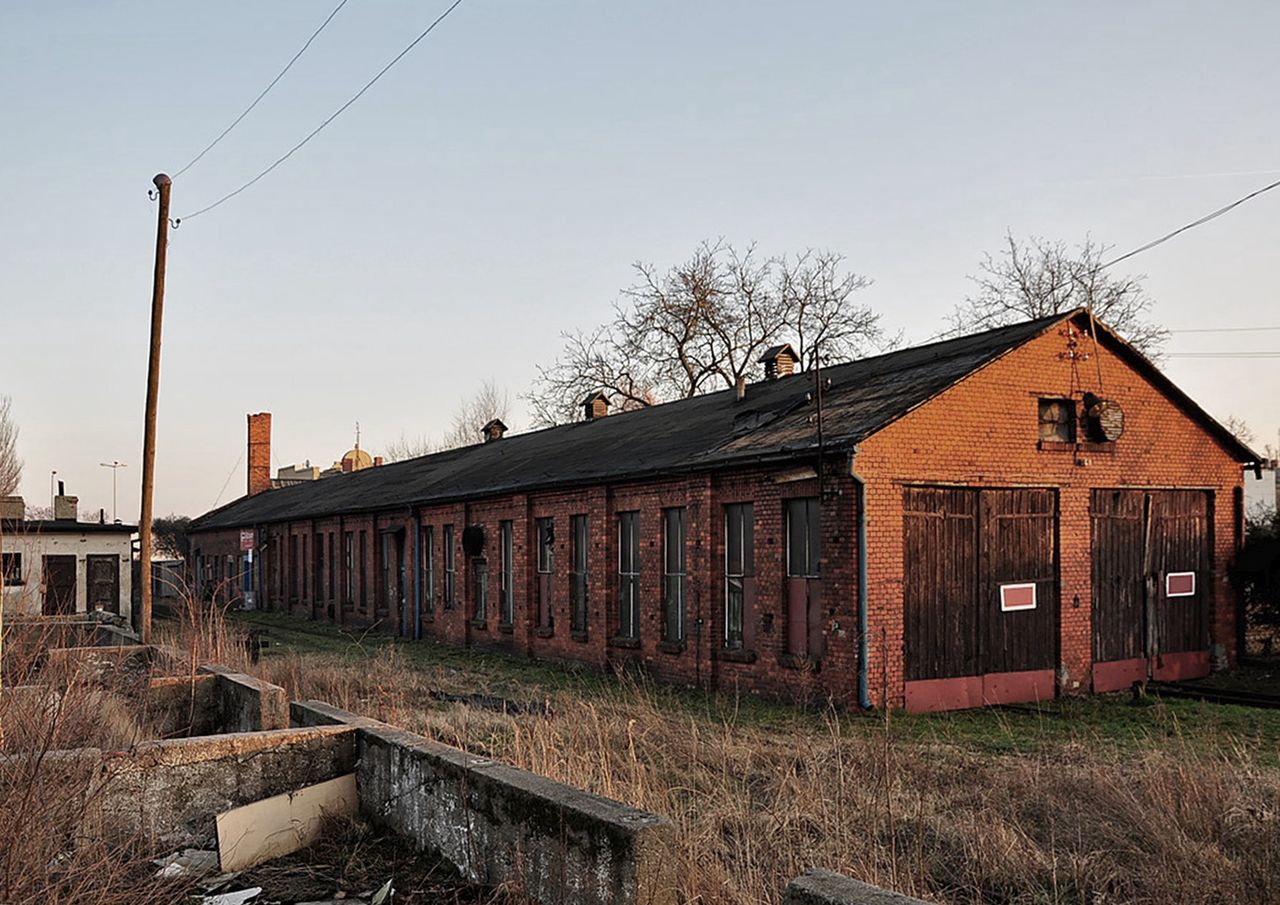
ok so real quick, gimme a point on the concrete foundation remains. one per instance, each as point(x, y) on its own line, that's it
point(500, 824)
point(824, 887)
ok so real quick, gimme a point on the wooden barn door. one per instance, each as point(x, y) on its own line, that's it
point(102, 573)
point(980, 596)
point(1152, 573)
point(59, 585)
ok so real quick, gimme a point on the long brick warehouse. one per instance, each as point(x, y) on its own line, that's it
point(1023, 513)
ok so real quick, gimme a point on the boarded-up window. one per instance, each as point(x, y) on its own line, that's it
point(739, 572)
point(480, 568)
point(349, 555)
point(1058, 420)
point(628, 574)
point(578, 577)
point(803, 540)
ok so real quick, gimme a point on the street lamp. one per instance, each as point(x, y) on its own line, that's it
point(114, 466)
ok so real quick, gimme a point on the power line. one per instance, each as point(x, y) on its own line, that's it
point(1225, 330)
point(1259, 354)
point(249, 108)
point(1192, 225)
point(316, 131)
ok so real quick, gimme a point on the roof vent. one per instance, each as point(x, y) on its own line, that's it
point(595, 406)
point(779, 361)
point(1104, 419)
point(493, 430)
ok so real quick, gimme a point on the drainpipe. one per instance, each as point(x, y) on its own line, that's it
point(864, 646)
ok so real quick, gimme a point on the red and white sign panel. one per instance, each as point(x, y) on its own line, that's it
point(1180, 584)
point(1015, 597)
point(247, 536)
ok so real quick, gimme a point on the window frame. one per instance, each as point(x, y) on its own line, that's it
point(450, 569)
point(629, 553)
point(11, 569)
point(737, 572)
point(675, 573)
point(579, 572)
point(811, 521)
point(506, 571)
point(1069, 424)
point(428, 566)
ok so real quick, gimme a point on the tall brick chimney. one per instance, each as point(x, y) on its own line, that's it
point(259, 456)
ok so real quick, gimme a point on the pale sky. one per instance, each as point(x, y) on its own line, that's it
point(496, 186)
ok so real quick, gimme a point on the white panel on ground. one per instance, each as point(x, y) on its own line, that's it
point(282, 824)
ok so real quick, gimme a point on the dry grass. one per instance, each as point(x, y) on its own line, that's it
point(756, 802)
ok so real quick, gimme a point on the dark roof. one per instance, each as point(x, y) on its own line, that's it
point(771, 423)
point(65, 526)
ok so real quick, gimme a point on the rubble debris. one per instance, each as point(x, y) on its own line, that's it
point(190, 862)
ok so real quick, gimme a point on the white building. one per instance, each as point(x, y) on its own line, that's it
point(62, 566)
point(1260, 492)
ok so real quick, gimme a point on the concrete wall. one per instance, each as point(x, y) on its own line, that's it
point(824, 887)
point(246, 704)
point(27, 597)
point(498, 824)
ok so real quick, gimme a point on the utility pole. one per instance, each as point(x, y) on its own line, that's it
point(163, 185)
point(114, 466)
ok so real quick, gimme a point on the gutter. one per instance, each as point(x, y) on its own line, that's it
point(864, 645)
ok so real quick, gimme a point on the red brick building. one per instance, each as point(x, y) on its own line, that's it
point(1008, 516)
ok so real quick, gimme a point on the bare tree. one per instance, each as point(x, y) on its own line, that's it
point(1241, 429)
point(488, 403)
point(10, 463)
point(409, 448)
point(702, 324)
point(472, 414)
point(1039, 278)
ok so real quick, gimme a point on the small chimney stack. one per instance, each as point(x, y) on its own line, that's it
point(377, 461)
point(740, 388)
point(13, 508)
point(65, 508)
point(259, 455)
point(595, 406)
point(493, 430)
point(779, 361)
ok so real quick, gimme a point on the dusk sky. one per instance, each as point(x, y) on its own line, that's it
point(495, 188)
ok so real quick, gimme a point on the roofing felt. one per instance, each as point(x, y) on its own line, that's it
point(65, 526)
point(772, 422)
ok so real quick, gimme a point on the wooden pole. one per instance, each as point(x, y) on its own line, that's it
point(163, 185)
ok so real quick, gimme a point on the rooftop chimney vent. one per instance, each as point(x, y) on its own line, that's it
point(595, 406)
point(493, 430)
point(779, 361)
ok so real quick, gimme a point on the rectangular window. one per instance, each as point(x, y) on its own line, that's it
point(506, 545)
point(450, 567)
point(545, 540)
point(429, 570)
point(364, 582)
point(349, 583)
point(317, 584)
point(11, 568)
point(674, 574)
point(581, 539)
point(804, 548)
point(739, 569)
point(480, 567)
point(1058, 420)
point(302, 571)
point(629, 575)
point(333, 568)
point(293, 567)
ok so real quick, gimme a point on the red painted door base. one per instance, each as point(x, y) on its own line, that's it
point(929, 695)
point(1191, 664)
point(1118, 675)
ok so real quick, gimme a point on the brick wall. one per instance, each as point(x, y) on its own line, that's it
point(984, 432)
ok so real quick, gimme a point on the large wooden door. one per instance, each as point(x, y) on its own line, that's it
point(980, 595)
point(59, 585)
point(102, 573)
point(1152, 580)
